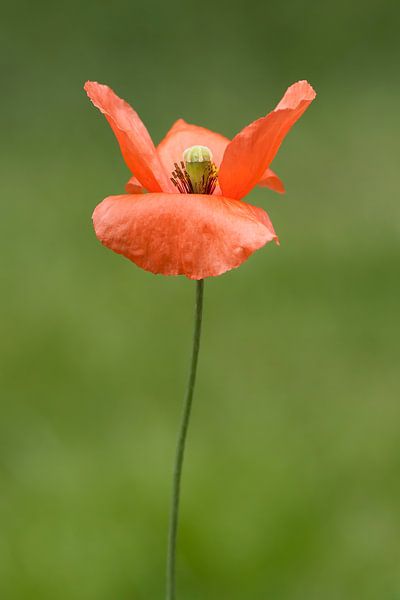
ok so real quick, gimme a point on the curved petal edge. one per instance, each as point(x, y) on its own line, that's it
point(134, 140)
point(253, 149)
point(182, 234)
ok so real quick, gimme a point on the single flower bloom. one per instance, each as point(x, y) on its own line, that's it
point(192, 221)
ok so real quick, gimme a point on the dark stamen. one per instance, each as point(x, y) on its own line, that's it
point(182, 181)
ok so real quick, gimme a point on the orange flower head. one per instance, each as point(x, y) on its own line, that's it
point(192, 221)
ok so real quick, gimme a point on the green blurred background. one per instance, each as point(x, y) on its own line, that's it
point(291, 486)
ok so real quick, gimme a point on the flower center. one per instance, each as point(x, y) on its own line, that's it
point(196, 174)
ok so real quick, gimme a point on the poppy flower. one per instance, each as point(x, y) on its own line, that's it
point(188, 224)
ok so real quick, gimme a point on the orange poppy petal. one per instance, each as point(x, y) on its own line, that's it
point(182, 234)
point(133, 186)
point(182, 135)
point(252, 150)
point(134, 140)
point(272, 181)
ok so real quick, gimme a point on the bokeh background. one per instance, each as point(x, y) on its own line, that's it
point(291, 484)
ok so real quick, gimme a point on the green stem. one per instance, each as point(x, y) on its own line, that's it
point(180, 448)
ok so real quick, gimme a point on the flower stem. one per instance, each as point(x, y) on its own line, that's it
point(180, 448)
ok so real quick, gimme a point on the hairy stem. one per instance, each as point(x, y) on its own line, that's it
point(180, 448)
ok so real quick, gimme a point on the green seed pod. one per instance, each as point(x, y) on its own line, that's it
point(199, 166)
point(197, 154)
